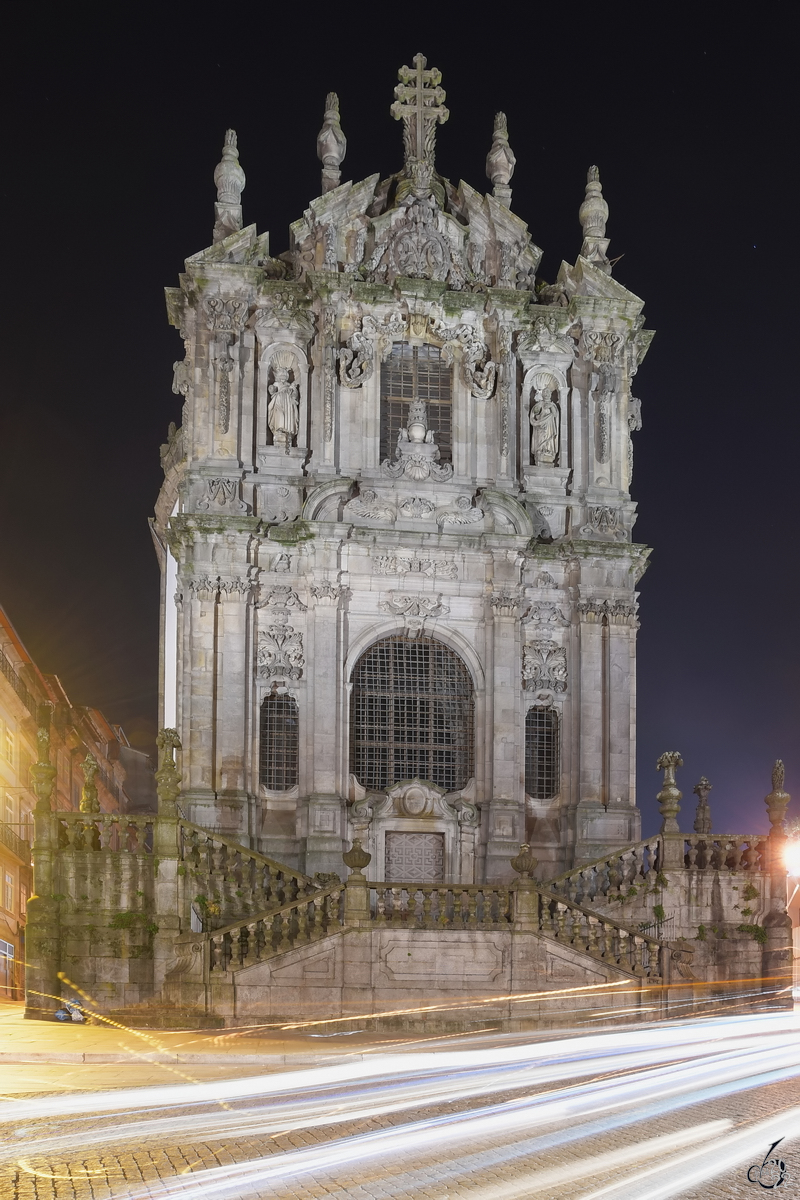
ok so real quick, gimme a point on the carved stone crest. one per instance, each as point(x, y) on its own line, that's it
point(604, 522)
point(280, 651)
point(417, 507)
point(545, 613)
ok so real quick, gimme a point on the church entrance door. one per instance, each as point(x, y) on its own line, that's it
point(414, 858)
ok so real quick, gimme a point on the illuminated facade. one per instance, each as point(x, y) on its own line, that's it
point(396, 532)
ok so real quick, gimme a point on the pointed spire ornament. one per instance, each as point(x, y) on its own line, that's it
point(331, 144)
point(230, 179)
point(500, 162)
point(702, 820)
point(593, 215)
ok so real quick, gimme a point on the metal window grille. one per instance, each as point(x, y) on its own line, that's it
point(542, 754)
point(415, 373)
point(278, 742)
point(411, 715)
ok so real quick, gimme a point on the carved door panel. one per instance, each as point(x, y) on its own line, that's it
point(414, 858)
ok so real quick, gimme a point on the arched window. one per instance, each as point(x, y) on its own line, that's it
point(411, 715)
point(279, 742)
point(415, 373)
point(542, 754)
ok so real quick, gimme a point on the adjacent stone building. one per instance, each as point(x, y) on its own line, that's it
point(396, 531)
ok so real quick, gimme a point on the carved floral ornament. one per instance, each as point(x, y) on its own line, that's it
point(412, 564)
point(544, 666)
point(224, 493)
point(208, 587)
point(505, 603)
point(328, 593)
point(226, 315)
point(543, 612)
point(279, 651)
point(614, 612)
point(401, 605)
point(604, 522)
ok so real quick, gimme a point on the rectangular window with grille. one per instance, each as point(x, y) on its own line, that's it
point(542, 754)
point(279, 742)
point(415, 373)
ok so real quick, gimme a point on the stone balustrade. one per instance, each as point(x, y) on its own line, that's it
point(437, 906)
point(611, 874)
point(600, 936)
point(237, 878)
point(244, 943)
point(726, 852)
point(121, 832)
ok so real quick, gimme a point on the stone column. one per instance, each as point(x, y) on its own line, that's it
point(230, 701)
point(199, 681)
point(42, 932)
point(506, 810)
point(324, 720)
point(166, 854)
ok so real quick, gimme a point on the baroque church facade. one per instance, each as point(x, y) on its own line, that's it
point(396, 532)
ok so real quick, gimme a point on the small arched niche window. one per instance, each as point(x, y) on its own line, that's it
point(411, 715)
point(416, 373)
point(542, 754)
point(278, 742)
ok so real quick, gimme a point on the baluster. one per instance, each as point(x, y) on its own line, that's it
point(284, 932)
point(602, 881)
point(592, 946)
point(561, 922)
point(614, 874)
point(303, 923)
point(317, 930)
point(638, 952)
point(216, 954)
point(624, 951)
point(690, 857)
point(577, 921)
point(545, 917)
point(380, 900)
point(425, 912)
point(397, 897)
point(606, 941)
point(701, 862)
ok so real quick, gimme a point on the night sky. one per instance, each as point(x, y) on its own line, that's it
point(110, 139)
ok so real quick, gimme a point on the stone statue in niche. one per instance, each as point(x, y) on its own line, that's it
point(544, 429)
point(283, 410)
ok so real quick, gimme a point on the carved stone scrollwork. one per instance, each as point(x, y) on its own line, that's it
point(234, 587)
point(226, 316)
point(224, 372)
point(548, 335)
point(545, 613)
point(327, 592)
point(634, 425)
point(368, 504)
point(357, 356)
point(507, 384)
point(400, 564)
point(615, 612)
point(462, 514)
point(544, 665)
point(603, 346)
point(182, 377)
point(604, 522)
point(505, 604)
point(284, 312)
point(401, 605)
point(223, 493)
point(283, 597)
point(280, 650)
point(416, 507)
point(329, 369)
point(477, 370)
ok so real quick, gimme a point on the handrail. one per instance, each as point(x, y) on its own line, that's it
point(273, 931)
point(599, 862)
point(238, 848)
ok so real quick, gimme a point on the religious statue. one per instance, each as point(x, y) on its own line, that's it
point(283, 411)
point(544, 429)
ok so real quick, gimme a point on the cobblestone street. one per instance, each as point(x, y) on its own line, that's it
point(512, 1167)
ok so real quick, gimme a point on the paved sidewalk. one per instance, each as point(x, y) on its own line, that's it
point(23, 1041)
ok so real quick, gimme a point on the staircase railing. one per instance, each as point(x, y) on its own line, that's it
point(105, 831)
point(612, 873)
point(726, 851)
point(263, 935)
point(439, 906)
point(234, 880)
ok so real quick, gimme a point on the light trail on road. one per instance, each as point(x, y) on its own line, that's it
point(626, 1077)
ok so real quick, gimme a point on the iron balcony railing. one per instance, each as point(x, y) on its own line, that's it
point(13, 842)
point(19, 687)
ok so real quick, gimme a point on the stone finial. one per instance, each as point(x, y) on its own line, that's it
point(331, 144)
point(230, 180)
point(593, 215)
point(702, 820)
point(524, 863)
point(777, 800)
point(500, 161)
point(356, 858)
point(669, 797)
point(419, 104)
point(168, 778)
point(43, 772)
point(89, 800)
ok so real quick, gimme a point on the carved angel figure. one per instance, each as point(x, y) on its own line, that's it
point(544, 429)
point(283, 411)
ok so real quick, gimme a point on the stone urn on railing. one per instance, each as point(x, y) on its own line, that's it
point(356, 892)
point(526, 897)
point(669, 803)
point(168, 777)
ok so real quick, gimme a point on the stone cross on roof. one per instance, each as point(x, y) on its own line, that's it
point(419, 105)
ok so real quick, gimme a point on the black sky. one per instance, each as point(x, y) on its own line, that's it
point(111, 132)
